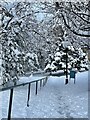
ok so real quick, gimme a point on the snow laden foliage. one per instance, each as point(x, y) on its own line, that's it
point(76, 59)
point(24, 46)
point(67, 27)
point(16, 58)
point(31, 32)
point(15, 61)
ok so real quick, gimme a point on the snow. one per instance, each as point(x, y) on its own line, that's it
point(0, 62)
point(75, 69)
point(69, 66)
point(28, 54)
point(71, 48)
point(63, 65)
point(84, 66)
point(16, 51)
point(66, 44)
point(53, 67)
point(58, 72)
point(58, 54)
point(48, 66)
point(82, 69)
point(55, 100)
point(30, 78)
point(57, 58)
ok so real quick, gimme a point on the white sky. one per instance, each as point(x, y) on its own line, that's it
point(45, 0)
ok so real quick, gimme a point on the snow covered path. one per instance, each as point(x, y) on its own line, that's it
point(55, 100)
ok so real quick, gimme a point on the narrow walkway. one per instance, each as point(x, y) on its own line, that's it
point(55, 100)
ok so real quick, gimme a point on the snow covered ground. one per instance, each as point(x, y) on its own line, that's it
point(55, 100)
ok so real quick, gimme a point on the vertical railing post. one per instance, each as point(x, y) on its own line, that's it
point(40, 84)
point(46, 79)
point(36, 86)
point(10, 104)
point(43, 82)
point(74, 80)
point(28, 95)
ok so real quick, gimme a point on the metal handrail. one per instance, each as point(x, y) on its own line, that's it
point(4, 88)
point(11, 88)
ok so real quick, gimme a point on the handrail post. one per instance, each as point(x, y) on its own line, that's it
point(40, 84)
point(43, 82)
point(36, 86)
point(10, 104)
point(28, 94)
point(74, 80)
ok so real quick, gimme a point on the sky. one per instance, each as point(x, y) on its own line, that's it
point(43, 0)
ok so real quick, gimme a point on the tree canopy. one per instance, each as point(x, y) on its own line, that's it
point(32, 31)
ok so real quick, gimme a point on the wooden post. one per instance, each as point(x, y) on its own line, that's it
point(10, 104)
point(28, 95)
point(36, 86)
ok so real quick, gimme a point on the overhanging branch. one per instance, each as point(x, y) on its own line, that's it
point(82, 35)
